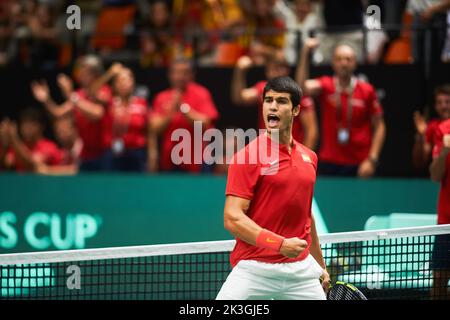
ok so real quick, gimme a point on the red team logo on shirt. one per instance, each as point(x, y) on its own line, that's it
point(306, 158)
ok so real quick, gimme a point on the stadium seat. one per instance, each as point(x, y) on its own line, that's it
point(400, 220)
point(228, 53)
point(111, 26)
point(377, 222)
point(399, 51)
point(403, 220)
point(65, 55)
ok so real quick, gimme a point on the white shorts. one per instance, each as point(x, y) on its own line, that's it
point(254, 280)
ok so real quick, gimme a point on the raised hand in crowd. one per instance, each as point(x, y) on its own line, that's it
point(41, 91)
point(65, 84)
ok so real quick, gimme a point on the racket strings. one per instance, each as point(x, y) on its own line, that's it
point(341, 292)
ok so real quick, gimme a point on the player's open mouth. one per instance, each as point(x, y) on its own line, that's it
point(273, 120)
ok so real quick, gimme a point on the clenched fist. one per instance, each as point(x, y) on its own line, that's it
point(293, 247)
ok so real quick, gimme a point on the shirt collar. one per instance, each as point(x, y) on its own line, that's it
point(283, 147)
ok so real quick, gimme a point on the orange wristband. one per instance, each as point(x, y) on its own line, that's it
point(269, 240)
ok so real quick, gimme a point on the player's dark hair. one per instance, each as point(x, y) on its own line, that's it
point(442, 89)
point(285, 84)
point(32, 115)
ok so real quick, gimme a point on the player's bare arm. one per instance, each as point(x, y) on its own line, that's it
point(237, 222)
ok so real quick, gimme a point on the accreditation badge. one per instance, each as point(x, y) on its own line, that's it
point(343, 135)
point(118, 146)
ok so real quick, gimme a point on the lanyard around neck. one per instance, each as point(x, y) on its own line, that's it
point(120, 127)
point(338, 92)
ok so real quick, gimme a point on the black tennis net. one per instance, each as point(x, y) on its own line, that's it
point(384, 264)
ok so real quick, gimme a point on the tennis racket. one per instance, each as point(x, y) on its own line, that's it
point(345, 291)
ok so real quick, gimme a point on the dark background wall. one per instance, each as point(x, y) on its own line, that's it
point(402, 88)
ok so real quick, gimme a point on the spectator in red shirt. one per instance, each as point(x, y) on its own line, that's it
point(440, 172)
point(66, 135)
point(268, 209)
point(127, 136)
point(229, 147)
point(353, 128)
point(424, 142)
point(86, 106)
point(305, 124)
point(70, 144)
point(27, 147)
point(179, 107)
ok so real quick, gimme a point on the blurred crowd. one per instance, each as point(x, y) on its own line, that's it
point(219, 32)
point(104, 123)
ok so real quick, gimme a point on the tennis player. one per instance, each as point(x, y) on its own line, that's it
point(277, 253)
